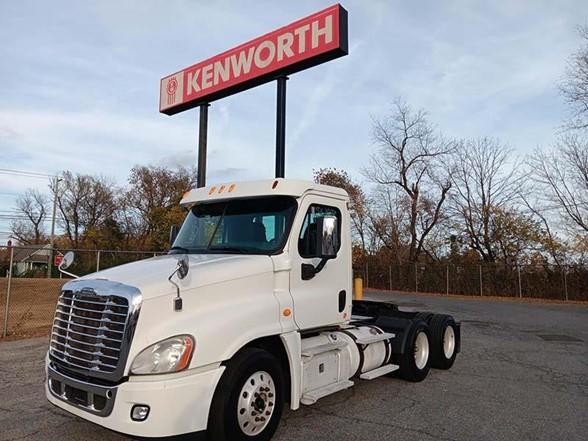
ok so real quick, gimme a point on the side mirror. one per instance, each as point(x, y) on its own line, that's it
point(183, 267)
point(181, 270)
point(327, 237)
point(67, 260)
point(173, 233)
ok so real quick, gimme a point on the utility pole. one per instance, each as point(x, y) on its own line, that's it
point(52, 239)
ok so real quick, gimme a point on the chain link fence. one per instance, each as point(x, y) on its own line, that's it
point(28, 295)
point(565, 282)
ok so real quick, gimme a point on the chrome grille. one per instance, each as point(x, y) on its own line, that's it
point(89, 331)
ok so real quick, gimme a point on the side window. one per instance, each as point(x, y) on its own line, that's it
point(307, 237)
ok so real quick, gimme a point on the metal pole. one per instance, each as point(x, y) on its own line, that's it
point(390, 277)
point(566, 281)
point(481, 287)
point(416, 278)
point(520, 288)
point(98, 261)
point(202, 140)
point(52, 238)
point(5, 330)
point(281, 128)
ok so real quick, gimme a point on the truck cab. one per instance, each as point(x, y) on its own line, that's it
point(250, 310)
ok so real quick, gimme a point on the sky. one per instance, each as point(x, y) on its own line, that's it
point(79, 83)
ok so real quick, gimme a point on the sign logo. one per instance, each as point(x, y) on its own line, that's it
point(305, 43)
point(171, 91)
point(172, 86)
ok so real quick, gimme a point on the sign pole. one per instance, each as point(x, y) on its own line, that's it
point(202, 139)
point(281, 128)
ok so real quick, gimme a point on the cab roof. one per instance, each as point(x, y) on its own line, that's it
point(269, 187)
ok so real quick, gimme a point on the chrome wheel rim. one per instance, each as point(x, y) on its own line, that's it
point(421, 350)
point(256, 403)
point(448, 342)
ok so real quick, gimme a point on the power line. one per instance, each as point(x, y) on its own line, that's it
point(25, 218)
point(30, 174)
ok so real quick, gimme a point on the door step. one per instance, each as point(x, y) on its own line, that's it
point(313, 396)
point(382, 370)
point(374, 338)
point(321, 349)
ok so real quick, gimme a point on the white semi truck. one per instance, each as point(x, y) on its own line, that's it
point(250, 311)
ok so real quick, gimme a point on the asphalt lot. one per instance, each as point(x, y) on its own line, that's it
point(522, 375)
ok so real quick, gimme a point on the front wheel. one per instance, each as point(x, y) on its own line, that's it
point(249, 399)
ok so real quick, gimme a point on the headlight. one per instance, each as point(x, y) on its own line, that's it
point(170, 355)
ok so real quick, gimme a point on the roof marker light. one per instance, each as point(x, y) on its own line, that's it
point(221, 189)
point(232, 187)
point(212, 190)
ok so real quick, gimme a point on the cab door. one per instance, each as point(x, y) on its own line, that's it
point(324, 299)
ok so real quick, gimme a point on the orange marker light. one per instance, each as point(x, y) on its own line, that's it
point(221, 189)
point(232, 187)
point(287, 312)
point(212, 190)
point(185, 194)
point(187, 354)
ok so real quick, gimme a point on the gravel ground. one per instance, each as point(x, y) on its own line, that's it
point(522, 375)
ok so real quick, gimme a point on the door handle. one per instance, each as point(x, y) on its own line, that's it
point(342, 300)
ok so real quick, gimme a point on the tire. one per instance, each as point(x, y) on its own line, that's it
point(251, 373)
point(414, 363)
point(443, 341)
point(424, 316)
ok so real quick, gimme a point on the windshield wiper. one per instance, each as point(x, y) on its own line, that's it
point(241, 250)
point(182, 249)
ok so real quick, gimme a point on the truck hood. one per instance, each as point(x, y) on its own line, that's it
point(151, 275)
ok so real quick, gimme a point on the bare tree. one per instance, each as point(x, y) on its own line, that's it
point(574, 87)
point(553, 245)
point(485, 183)
point(410, 157)
point(86, 205)
point(387, 213)
point(31, 210)
point(562, 175)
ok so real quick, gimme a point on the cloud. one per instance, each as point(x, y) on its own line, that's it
point(80, 81)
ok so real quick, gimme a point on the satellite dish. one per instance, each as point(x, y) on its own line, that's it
point(67, 260)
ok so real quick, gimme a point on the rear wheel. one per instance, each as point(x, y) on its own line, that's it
point(414, 363)
point(249, 399)
point(424, 316)
point(443, 341)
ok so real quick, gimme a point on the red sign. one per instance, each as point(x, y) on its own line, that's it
point(305, 43)
point(57, 259)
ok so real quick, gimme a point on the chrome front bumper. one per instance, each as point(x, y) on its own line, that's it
point(93, 398)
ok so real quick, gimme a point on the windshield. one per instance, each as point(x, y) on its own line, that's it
point(251, 226)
